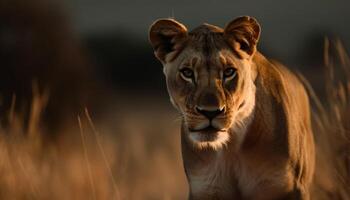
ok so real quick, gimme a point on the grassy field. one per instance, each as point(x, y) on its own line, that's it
point(138, 157)
point(135, 153)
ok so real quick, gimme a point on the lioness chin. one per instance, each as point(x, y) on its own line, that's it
point(246, 131)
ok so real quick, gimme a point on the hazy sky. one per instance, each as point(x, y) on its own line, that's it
point(286, 25)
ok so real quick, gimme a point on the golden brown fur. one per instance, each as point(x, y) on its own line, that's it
point(246, 134)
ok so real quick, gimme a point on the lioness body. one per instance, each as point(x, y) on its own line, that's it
point(246, 131)
point(275, 158)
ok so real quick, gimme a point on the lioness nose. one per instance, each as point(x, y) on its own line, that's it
point(210, 114)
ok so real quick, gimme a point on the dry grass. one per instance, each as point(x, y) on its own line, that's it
point(132, 161)
point(331, 124)
point(138, 156)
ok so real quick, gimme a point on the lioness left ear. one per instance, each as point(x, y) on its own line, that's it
point(242, 34)
point(166, 36)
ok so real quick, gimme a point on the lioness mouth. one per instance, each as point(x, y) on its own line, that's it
point(207, 134)
point(207, 130)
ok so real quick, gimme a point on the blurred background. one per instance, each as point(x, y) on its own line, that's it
point(293, 32)
point(83, 104)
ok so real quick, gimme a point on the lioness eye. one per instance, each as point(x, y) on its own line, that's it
point(229, 73)
point(187, 73)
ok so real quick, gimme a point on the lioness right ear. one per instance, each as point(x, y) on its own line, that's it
point(243, 34)
point(166, 36)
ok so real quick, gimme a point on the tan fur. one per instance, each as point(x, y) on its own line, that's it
point(263, 147)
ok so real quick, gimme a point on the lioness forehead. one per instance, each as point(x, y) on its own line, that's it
point(218, 59)
point(207, 38)
point(208, 47)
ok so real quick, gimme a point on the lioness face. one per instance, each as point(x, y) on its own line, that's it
point(210, 76)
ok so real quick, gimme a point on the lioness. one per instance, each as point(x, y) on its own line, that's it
point(246, 130)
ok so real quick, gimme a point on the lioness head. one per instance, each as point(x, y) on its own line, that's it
point(210, 75)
